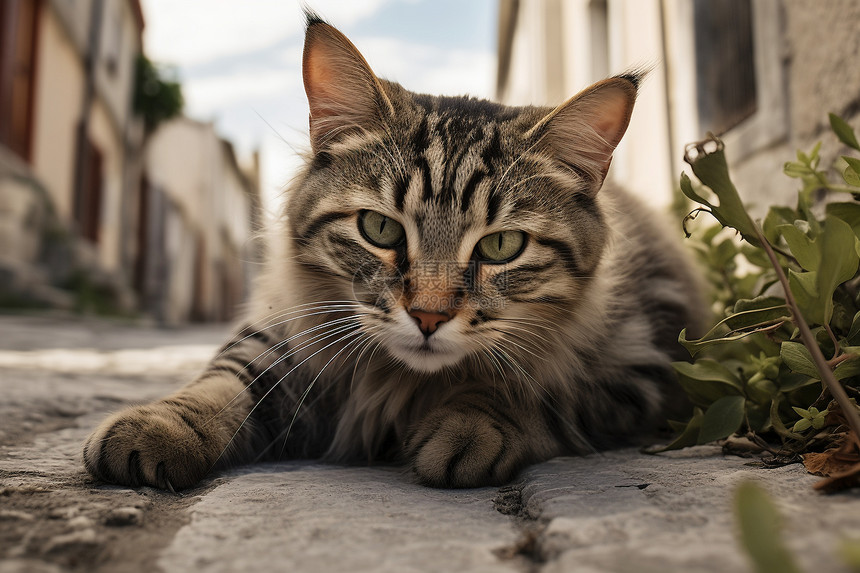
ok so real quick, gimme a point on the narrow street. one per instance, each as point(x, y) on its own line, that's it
point(619, 511)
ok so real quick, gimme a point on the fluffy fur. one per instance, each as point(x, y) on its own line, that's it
point(563, 349)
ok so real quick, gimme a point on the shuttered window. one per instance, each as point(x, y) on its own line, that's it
point(89, 203)
point(725, 63)
point(18, 28)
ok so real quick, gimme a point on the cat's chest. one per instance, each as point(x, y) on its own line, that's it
point(378, 407)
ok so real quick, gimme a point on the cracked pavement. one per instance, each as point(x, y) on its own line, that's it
point(613, 512)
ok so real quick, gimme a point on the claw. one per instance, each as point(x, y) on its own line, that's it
point(170, 487)
point(162, 480)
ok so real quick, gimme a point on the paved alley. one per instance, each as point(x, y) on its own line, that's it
point(619, 511)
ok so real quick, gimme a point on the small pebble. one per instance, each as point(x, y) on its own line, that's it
point(85, 539)
point(123, 516)
point(19, 565)
point(64, 512)
point(80, 522)
point(13, 515)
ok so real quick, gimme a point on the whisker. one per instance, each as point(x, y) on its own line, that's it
point(515, 161)
point(358, 360)
point(310, 387)
point(496, 367)
point(545, 397)
point(537, 322)
point(292, 352)
point(365, 342)
point(529, 344)
point(305, 332)
point(507, 359)
point(275, 385)
point(335, 308)
point(507, 330)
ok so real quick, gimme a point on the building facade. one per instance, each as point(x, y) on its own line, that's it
point(67, 136)
point(96, 213)
point(762, 74)
point(196, 227)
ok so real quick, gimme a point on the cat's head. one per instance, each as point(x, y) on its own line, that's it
point(462, 227)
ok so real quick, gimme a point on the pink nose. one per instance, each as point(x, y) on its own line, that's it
point(428, 322)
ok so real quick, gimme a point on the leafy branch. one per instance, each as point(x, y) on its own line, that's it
point(788, 288)
point(822, 365)
point(156, 98)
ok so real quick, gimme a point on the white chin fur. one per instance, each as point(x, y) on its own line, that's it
point(423, 360)
point(404, 342)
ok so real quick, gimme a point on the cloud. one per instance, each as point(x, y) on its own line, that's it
point(430, 69)
point(419, 68)
point(266, 106)
point(240, 65)
point(207, 96)
point(192, 32)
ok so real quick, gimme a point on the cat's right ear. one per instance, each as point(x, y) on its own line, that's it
point(583, 132)
point(343, 93)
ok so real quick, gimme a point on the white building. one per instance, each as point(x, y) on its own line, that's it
point(197, 240)
point(91, 205)
point(763, 73)
point(67, 132)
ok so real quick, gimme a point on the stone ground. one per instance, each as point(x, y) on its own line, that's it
point(619, 511)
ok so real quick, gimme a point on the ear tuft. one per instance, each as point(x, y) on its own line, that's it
point(584, 131)
point(312, 17)
point(343, 93)
point(635, 76)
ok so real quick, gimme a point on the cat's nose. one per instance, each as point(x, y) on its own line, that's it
point(428, 321)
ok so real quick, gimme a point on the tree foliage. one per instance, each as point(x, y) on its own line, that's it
point(156, 98)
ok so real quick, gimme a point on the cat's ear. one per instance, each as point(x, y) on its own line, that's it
point(343, 92)
point(583, 132)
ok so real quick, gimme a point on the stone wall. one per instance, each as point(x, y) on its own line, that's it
point(42, 263)
point(820, 48)
point(823, 39)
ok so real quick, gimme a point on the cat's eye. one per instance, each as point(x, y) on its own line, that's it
point(501, 247)
point(380, 230)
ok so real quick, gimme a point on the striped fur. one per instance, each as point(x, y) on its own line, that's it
point(564, 349)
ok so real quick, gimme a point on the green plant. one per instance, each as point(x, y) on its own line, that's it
point(850, 552)
point(156, 98)
point(760, 533)
point(787, 289)
point(759, 523)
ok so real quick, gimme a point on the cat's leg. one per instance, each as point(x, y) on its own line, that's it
point(477, 439)
point(175, 441)
point(624, 407)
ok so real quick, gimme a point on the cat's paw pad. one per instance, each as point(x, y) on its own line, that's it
point(459, 449)
point(149, 445)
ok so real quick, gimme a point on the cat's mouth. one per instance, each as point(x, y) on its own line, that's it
point(427, 356)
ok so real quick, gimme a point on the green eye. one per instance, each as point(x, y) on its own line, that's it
point(380, 230)
point(501, 247)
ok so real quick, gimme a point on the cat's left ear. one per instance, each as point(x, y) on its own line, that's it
point(583, 132)
point(344, 94)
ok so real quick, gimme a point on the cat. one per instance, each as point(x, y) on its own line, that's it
point(459, 292)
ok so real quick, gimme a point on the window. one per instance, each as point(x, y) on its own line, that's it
point(18, 30)
point(88, 206)
point(598, 17)
point(725, 61)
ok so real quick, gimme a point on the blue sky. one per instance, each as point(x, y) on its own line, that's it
point(240, 60)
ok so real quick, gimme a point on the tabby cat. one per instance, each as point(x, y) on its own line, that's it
point(454, 295)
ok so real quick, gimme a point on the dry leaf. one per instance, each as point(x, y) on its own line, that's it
point(828, 463)
point(841, 481)
point(839, 466)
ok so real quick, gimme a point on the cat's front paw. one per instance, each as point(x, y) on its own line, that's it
point(462, 448)
point(151, 445)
